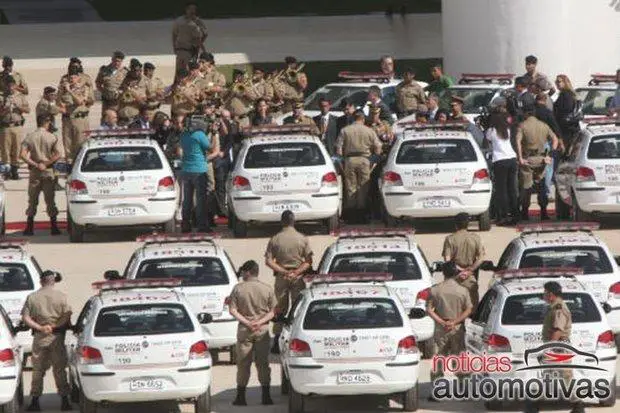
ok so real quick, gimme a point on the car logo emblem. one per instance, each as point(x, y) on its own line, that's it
point(145, 344)
point(436, 170)
point(285, 174)
point(354, 338)
point(122, 178)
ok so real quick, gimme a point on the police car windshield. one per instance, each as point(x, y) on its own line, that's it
point(140, 158)
point(436, 150)
point(143, 319)
point(474, 98)
point(15, 277)
point(201, 271)
point(605, 147)
point(352, 313)
point(592, 260)
point(530, 309)
point(336, 94)
point(284, 154)
point(596, 101)
point(402, 265)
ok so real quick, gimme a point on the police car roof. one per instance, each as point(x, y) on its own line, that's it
point(260, 139)
point(366, 85)
point(534, 285)
point(118, 142)
point(413, 134)
point(375, 243)
point(110, 298)
point(603, 86)
point(12, 250)
point(553, 239)
point(349, 290)
point(601, 130)
point(178, 250)
point(482, 86)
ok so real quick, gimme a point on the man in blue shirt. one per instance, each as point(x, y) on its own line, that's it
point(194, 143)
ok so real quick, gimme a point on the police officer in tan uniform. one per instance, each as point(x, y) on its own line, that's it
point(109, 80)
point(259, 87)
point(238, 100)
point(7, 66)
point(47, 105)
point(13, 107)
point(449, 305)
point(40, 150)
point(289, 255)
point(557, 327)
point(384, 132)
point(410, 96)
point(75, 99)
point(155, 89)
point(84, 77)
point(298, 118)
point(531, 138)
point(465, 249)
point(356, 143)
point(188, 36)
point(213, 81)
point(48, 313)
point(253, 304)
point(185, 96)
point(293, 90)
point(133, 93)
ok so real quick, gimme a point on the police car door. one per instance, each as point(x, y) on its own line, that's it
point(289, 324)
point(476, 328)
point(73, 341)
point(603, 155)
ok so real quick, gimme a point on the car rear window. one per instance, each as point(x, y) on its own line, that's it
point(286, 154)
point(402, 265)
point(604, 147)
point(15, 277)
point(592, 260)
point(143, 319)
point(200, 271)
point(352, 313)
point(140, 158)
point(433, 151)
point(530, 309)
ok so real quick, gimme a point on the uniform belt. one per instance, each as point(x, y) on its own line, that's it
point(79, 115)
point(355, 154)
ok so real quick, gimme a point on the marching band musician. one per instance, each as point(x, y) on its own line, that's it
point(109, 80)
point(299, 118)
point(238, 99)
point(213, 83)
point(184, 95)
point(155, 89)
point(13, 106)
point(133, 93)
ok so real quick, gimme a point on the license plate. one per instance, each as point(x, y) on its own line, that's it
point(353, 378)
point(436, 203)
point(122, 212)
point(283, 207)
point(146, 384)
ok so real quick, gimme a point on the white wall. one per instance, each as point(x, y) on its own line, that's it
point(575, 37)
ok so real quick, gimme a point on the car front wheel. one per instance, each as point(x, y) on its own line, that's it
point(203, 402)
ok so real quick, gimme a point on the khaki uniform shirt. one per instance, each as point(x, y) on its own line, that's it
point(68, 96)
point(19, 81)
point(357, 140)
point(260, 90)
point(45, 107)
point(12, 108)
point(109, 81)
point(289, 248)
point(42, 146)
point(46, 306)
point(557, 317)
point(239, 104)
point(185, 98)
point(155, 90)
point(449, 299)
point(214, 78)
point(533, 135)
point(463, 247)
point(290, 94)
point(410, 97)
point(134, 92)
point(84, 79)
point(303, 120)
point(253, 299)
point(188, 34)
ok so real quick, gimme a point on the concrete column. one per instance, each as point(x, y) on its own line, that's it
point(574, 37)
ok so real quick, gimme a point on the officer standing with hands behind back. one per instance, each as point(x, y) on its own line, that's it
point(48, 313)
point(289, 255)
point(252, 303)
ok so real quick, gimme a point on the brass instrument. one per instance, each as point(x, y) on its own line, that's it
point(76, 99)
point(291, 74)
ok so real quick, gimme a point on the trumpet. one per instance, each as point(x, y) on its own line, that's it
point(67, 89)
point(291, 74)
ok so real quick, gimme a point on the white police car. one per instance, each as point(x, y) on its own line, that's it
point(207, 278)
point(558, 245)
point(597, 95)
point(385, 251)
point(11, 353)
point(120, 178)
point(347, 338)
point(19, 277)
point(281, 168)
point(139, 341)
point(588, 181)
point(436, 171)
point(508, 322)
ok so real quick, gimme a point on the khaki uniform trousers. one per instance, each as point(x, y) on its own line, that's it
point(73, 135)
point(447, 343)
point(357, 181)
point(183, 58)
point(253, 346)
point(11, 143)
point(283, 288)
point(41, 182)
point(210, 176)
point(472, 286)
point(44, 356)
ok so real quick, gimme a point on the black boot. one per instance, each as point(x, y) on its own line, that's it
point(65, 404)
point(275, 348)
point(34, 405)
point(14, 172)
point(29, 226)
point(544, 216)
point(240, 399)
point(54, 226)
point(266, 399)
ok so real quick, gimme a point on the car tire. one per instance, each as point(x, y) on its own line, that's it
point(295, 401)
point(411, 401)
point(230, 217)
point(20, 391)
point(285, 385)
point(74, 394)
point(215, 356)
point(233, 355)
point(562, 211)
point(76, 232)
point(170, 227)
point(239, 228)
point(484, 221)
point(493, 405)
point(332, 223)
point(578, 215)
point(388, 220)
point(12, 406)
point(611, 400)
point(3, 223)
point(87, 406)
point(203, 402)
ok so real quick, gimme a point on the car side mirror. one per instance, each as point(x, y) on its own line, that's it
point(607, 308)
point(112, 275)
point(436, 266)
point(21, 326)
point(487, 266)
point(617, 259)
point(417, 313)
point(204, 318)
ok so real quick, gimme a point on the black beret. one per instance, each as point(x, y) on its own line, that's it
point(48, 90)
point(290, 59)
point(207, 57)
point(531, 59)
point(118, 55)
point(75, 60)
point(193, 65)
point(73, 71)
point(149, 66)
point(7, 61)
point(134, 63)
